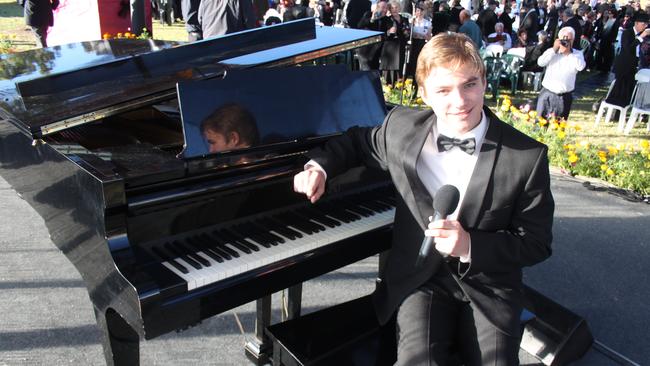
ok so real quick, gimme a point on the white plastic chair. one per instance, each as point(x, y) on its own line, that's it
point(640, 100)
point(610, 109)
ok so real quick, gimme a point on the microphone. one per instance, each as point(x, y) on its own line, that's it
point(444, 204)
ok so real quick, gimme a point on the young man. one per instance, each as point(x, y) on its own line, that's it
point(230, 127)
point(562, 64)
point(468, 304)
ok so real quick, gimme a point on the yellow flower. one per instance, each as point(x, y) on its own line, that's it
point(554, 126)
point(573, 158)
point(408, 82)
point(602, 153)
point(645, 144)
point(419, 101)
point(127, 35)
point(532, 114)
point(612, 150)
point(562, 124)
point(577, 127)
point(570, 147)
point(609, 172)
point(561, 134)
point(505, 107)
point(399, 85)
point(604, 167)
point(543, 122)
point(106, 36)
point(603, 159)
point(119, 35)
point(513, 109)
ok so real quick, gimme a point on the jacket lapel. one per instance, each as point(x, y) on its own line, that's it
point(478, 183)
point(423, 200)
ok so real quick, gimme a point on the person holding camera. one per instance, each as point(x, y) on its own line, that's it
point(562, 64)
point(376, 20)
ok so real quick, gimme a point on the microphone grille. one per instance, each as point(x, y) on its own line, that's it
point(446, 200)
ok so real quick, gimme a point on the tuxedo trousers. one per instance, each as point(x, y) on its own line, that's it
point(437, 325)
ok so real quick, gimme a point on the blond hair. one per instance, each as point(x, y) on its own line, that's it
point(448, 50)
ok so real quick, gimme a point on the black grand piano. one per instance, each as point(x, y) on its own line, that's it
point(165, 234)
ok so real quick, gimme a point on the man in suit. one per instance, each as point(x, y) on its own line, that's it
point(529, 19)
point(39, 16)
point(627, 62)
point(569, 20)
point(468, 304)
point(223, 17)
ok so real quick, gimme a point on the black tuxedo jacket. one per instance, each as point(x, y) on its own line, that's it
point(507, 210)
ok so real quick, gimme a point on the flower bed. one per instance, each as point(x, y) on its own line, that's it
point(623, 165)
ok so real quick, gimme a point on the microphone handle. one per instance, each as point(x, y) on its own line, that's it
point(426, 244)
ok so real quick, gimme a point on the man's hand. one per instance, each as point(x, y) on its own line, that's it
point(556, 45)
point(311, 182)
point(450, 237)
point(646, 33)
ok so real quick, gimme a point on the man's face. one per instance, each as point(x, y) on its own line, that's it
point(382, 7)
point(217, 141)
point(456, 97)
point(640, 26)
point(569, 43)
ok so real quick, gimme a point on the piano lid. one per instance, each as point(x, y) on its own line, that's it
point(257, 107)
point(58, 93)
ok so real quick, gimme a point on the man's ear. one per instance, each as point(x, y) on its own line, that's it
point(233, 139)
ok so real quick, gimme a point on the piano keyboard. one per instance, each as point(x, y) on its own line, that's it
point(212, 256)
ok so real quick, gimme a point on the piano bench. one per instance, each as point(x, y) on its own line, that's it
point(344, 334)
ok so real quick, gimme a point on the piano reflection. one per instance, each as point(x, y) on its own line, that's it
point(106, 140)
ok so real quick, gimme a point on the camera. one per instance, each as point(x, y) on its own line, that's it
point(564, 42)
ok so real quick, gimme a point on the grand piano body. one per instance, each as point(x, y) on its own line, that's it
point(84, 141)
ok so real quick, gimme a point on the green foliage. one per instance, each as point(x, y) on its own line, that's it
point(6, 44)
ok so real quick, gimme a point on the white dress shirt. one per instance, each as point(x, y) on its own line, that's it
point(436, 169)
point(561, 70)
point(454, 166)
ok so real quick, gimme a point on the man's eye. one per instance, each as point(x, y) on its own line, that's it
point(470, 85)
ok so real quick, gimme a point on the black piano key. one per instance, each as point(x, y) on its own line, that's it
point(279, 228)
point(314, 215)
point(220, 244)
point(359, 210)
point(297, 223)
point(233, 241)
point(292, 217)
point(204, 262)
point(272, 237)
point(317, 227)
point(178, 253)
point(380, 205)
point(204, 247)
point(339, 213)
point(211, 245)
point(252, 232)
point(261, 234)
point(242, 239)
point(165, 258)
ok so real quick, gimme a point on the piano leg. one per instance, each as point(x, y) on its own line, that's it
point(294, 303)
point(258, 349)
point(120, 342)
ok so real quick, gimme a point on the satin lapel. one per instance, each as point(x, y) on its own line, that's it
point(423, 200)
point(475, 194)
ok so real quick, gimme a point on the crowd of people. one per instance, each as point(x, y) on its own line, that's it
point(609, 35)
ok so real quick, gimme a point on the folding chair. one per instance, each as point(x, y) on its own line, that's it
point(640, 106)
point(493, 69)
point(511, 68)
point(611, 108)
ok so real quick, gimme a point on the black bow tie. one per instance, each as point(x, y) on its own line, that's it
point(446, 143)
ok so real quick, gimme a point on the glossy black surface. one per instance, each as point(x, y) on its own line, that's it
point(305, 102)
point(111, 187)
point(60, 92)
